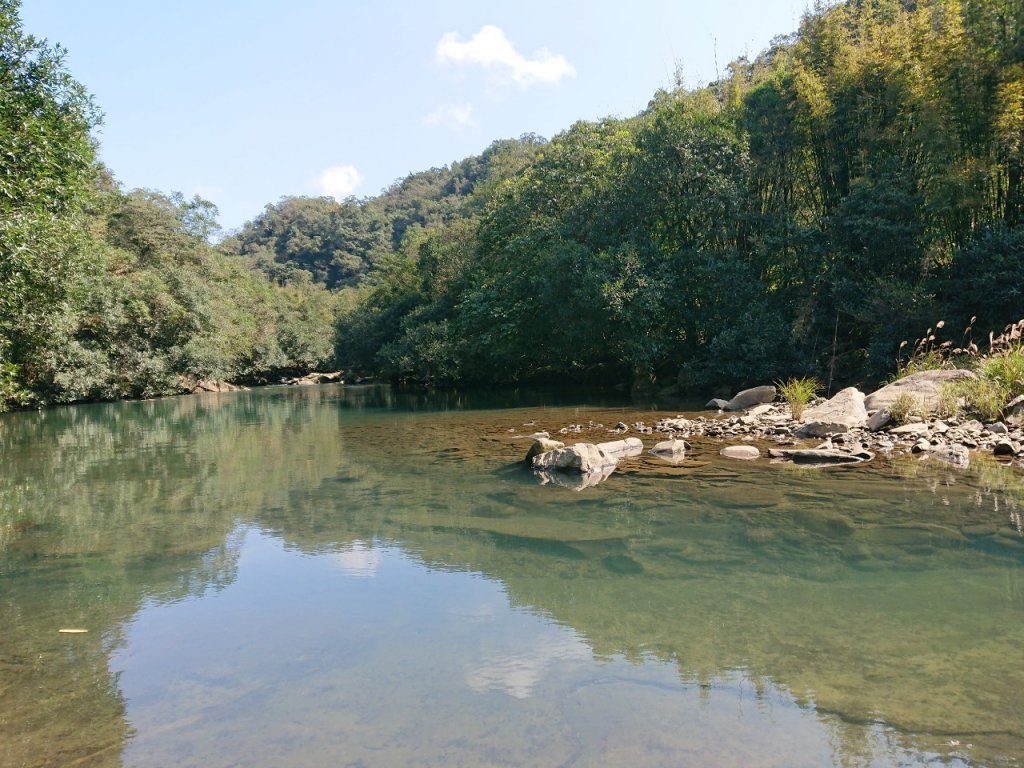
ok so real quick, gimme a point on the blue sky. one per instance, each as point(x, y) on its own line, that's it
point(244, 102)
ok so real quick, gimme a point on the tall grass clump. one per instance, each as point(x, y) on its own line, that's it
point(1006, 372)
point(798, 393)
point(903, 407)
point(950, 401)
point(982, 397)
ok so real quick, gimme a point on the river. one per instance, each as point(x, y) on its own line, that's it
point(356, 577)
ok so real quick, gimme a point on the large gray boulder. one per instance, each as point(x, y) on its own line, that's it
point(748, 398)
point(845, 411)
point(924, 387)
point(581, 457)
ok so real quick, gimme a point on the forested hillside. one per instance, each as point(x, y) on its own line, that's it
point(106, 294)
point(847, 188)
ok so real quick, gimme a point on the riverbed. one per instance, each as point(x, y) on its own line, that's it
point(352, 576)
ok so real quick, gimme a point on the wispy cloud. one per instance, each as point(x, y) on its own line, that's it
point(455, 115)
point(490, 48)
point(340, 181)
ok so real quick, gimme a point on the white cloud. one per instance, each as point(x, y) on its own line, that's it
point(340, 181)
point(490, 48)
point(456, 115)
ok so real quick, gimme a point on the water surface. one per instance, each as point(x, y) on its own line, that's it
point(347, 576)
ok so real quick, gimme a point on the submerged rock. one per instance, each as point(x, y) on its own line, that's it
point(819, 456)
point(957, 455)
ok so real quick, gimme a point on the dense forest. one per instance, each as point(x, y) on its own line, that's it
point(854, 183)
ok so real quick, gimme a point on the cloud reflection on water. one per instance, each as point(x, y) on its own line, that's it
point(358, 559)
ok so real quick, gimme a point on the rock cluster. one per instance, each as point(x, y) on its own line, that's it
point(851, 429)
point(311, 379)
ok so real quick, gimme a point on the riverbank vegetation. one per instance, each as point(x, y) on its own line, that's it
point(795, 218)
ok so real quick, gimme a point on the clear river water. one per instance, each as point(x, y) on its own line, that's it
point(350, 576)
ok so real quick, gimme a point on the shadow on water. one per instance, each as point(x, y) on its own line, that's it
point(885, 601)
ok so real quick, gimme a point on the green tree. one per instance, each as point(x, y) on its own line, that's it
point(45, 180)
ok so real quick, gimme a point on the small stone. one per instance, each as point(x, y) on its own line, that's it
point(921, 446)
point(996, 429)
point(1005, 448)
point(878, 419)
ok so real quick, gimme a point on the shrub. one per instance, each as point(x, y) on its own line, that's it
point(798, 393)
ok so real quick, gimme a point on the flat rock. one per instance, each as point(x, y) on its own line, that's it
point(923, 386)
point(622, 449)
point(816, 456)
point(845, 411)
point(911, 430)
point(742, 452)
point(748, 398)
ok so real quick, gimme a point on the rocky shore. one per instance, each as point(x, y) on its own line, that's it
point(848, 428)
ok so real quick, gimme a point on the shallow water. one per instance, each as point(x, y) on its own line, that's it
point(344, 576)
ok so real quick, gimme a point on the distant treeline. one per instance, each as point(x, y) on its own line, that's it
point(853, 184)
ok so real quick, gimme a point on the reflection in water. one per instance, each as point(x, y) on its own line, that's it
point(358, 559)
point(339, 575)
